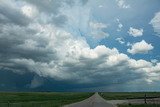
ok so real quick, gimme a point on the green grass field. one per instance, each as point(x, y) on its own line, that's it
point(140, 105)
point(53, 99)
point(128, 95)
point(40, 99)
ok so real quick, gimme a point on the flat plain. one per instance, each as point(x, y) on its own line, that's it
point(128, 95)
point(40, 99)
point(59, 99)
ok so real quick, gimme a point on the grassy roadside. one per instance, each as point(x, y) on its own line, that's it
point(140, 105)
point(40, 99)
point(128, 95)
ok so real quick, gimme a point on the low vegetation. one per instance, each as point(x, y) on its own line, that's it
point(40, 99)
point(128, 95)
point(140, 105)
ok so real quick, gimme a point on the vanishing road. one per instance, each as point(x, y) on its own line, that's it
point(94, 101)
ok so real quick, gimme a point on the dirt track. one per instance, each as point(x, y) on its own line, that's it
point(94, 101)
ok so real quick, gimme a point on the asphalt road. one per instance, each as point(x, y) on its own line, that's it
point(94, 101)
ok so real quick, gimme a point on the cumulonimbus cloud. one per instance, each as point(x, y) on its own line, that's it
point(49, 50)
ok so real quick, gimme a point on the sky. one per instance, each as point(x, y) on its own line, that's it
point(79, 45)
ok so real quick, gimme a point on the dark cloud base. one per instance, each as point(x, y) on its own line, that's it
point(21, 83)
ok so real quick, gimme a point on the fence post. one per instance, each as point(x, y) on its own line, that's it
point(8, 103)
point(145, 98)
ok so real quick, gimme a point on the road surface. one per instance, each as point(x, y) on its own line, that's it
point(94, 101)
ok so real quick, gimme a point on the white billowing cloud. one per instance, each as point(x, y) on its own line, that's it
point(152, 73)
point(78, 60)
point(135, 32)
point(140, 63)
point(120, 40)
point(140, 47)
point(155, 22)
point(122, 4)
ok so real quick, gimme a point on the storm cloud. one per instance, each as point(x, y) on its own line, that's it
point(45, 41)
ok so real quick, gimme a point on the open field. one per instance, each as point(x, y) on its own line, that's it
point(128, 95)
point(40, 99)
point(55, 99)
